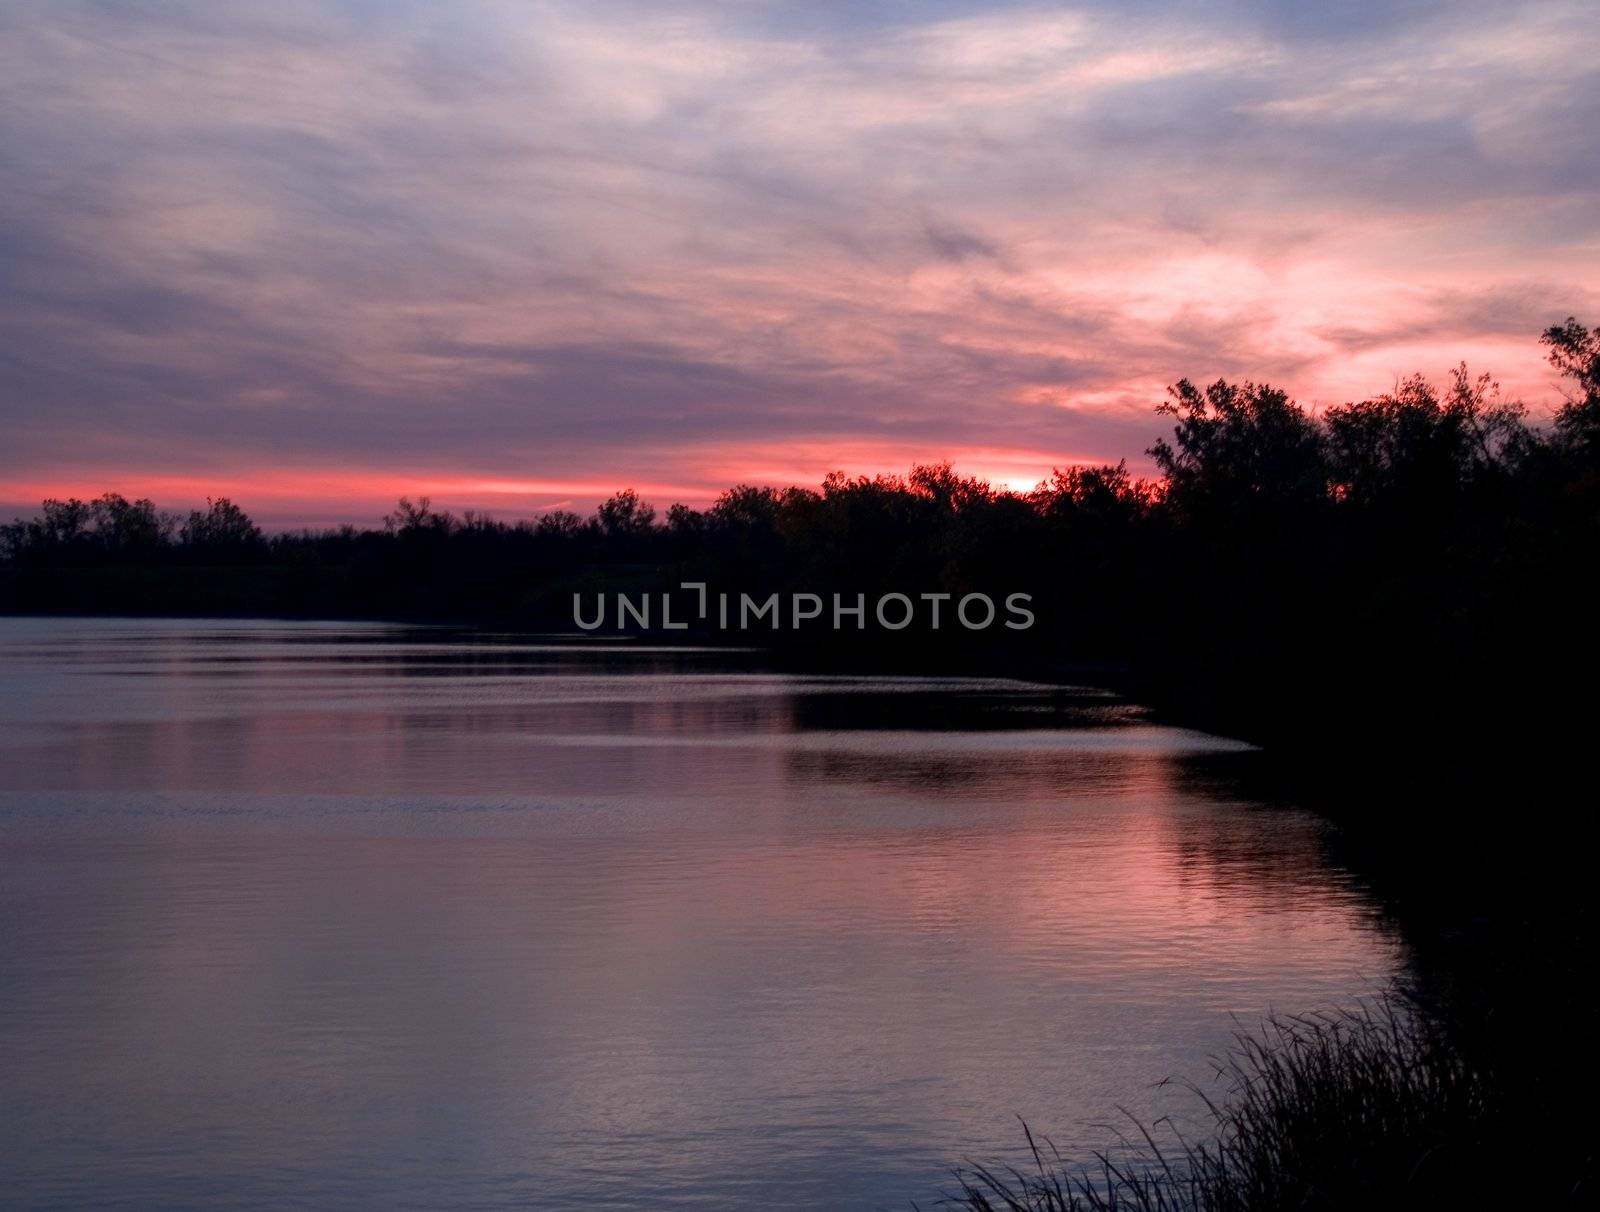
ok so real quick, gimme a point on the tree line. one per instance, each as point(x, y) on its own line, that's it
point(1432, 534)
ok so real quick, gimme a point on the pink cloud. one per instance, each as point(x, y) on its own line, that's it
point(607, 245)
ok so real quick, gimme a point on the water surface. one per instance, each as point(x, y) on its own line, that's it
point(359, 916)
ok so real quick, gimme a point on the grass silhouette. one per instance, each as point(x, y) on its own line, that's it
point(1361, 1108)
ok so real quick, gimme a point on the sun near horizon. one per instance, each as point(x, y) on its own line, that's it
point(315, 257)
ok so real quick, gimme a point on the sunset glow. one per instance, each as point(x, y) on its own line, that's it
point(516, 256)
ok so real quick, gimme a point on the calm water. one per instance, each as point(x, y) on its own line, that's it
point(361, 916)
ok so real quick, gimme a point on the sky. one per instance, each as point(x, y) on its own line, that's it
point(516, 255)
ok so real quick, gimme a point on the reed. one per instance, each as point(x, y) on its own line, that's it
point(1364, 1108)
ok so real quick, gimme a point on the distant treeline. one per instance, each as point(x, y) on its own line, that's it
point(1425, 547)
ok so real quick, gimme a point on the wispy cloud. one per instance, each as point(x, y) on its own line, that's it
point(570, 244)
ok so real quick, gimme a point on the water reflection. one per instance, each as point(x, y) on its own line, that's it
point(361, 916)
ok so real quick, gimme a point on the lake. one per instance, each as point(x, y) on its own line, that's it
point(369, 916)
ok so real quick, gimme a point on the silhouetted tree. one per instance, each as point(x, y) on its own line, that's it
point(949, 492)
point(129, 527)
point(559, 524)
point(1244, 450)
point(1575, 352)
point(1413, 447)
point(1106, 495)
point(221, 526)
point(624, 515)
point(411, 519)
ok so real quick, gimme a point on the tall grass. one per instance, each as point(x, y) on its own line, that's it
point(1366, 1108)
